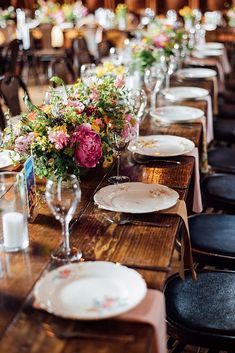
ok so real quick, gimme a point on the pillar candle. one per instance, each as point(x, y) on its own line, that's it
point(13, 230)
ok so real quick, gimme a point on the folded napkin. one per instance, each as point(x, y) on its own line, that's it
point(197, 198)
point(225, 62)
point(180, 209)
point(209, 119)
point(152, 311)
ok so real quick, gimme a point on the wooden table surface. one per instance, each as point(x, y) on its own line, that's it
point(25, 329)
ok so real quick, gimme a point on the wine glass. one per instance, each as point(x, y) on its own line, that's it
point(118, 139)
point(88, 74)
point(171, 67)
point(138, 101)
point(63, 196)
point(153, 79)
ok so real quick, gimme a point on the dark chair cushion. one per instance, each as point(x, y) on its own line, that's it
point(213, 233)
point(224, 129)
point(206, 305)
point(226, 110)
point(220, 187)
point(222, 158)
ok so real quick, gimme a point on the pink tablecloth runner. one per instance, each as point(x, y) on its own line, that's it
point(152, 311)
point(197, 197)
point(209, 120)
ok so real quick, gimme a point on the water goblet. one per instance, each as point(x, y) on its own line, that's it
point(153, 79)
point(138, 102)
point(118, 139)
point(88, 74)
point(63, 196)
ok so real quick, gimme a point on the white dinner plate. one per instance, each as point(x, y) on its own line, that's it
point(136, 197)
point(161, 145)
point(5, 159)
point(210, 45)
point(177, 114)
point(184, 93)
point(89, 290)
point(206, 52)
point(196, 72)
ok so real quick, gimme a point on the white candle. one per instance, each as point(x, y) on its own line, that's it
point(13, 230)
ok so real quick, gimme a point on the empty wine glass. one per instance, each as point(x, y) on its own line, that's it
point(153, 79)
point(63, 196)
point(138, 101)
point(88, 74)
point(118, 139)
point(171, 67)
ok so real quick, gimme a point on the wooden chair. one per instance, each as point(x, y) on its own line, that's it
point(201, 313)
point(9, 89)
point(10, 57)
point(80, 54)
point(63, 69)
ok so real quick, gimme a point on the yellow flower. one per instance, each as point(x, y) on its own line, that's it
point(186, 11)
point(95, 127)
point(108, 161)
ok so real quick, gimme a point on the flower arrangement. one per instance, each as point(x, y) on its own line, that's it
point(159, 39)
point(186, 12)
point(52, 12)
point(70, 133)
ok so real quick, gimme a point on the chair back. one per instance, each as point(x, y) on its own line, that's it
point(81, 54)
point(9, 89)
point(63, 69)
point(2, 120)
point(10, 56)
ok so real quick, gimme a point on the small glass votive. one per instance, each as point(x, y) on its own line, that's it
point(13, 212)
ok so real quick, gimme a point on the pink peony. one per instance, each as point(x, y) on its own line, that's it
point(59, 138)
point(88, 148)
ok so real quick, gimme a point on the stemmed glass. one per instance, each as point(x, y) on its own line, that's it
point(88, 74)
point(153, 79)
point(171, 67)
point(138, 101)
point(118, 139)
point(63, 196)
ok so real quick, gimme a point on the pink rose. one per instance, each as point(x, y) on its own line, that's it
point(88, 147)
point(59, 138)
point(22, 143)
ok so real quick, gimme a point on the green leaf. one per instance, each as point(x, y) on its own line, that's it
point(30, 106)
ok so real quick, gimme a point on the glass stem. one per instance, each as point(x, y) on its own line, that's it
point(118, 164)
point(65, 232)
point(153, 100)
point(167, 82)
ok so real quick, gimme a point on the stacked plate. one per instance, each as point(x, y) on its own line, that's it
point(177, 114)
point(184, 93)
point(136, 197)
point(196, 73)
point(204, 53)
point(210, 45)
point(89, 290)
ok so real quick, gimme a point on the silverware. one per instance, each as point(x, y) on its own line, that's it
point(146, 161)
point(123, 221)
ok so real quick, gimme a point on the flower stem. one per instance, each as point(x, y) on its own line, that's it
point(118, 163)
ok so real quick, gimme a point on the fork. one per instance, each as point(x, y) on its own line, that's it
point(154, 160)
point(124, 221)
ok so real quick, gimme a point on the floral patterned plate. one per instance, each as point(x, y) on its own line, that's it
point(89, 290)
point(161, 145)
point(136, 197)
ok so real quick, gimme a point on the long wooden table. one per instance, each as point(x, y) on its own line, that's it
point(148, 249)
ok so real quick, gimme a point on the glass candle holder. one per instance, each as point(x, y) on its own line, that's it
point(13, 212)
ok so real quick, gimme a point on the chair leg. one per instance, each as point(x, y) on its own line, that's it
point(170, 342)
point(179, 348)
